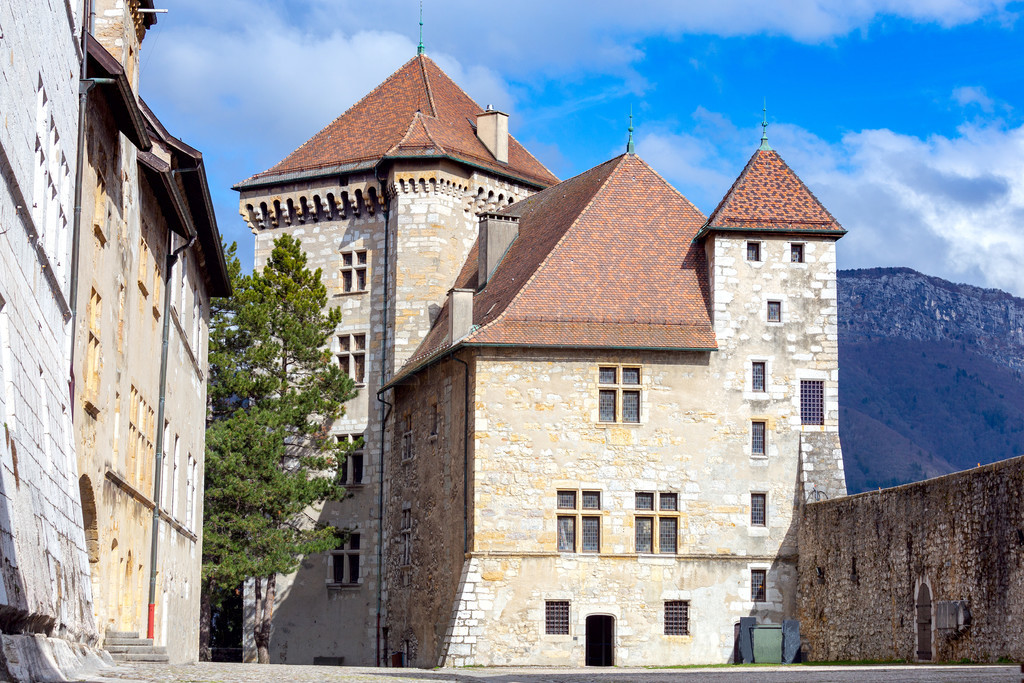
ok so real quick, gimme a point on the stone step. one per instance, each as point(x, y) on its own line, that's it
point(137, 649)
point(122, 634)
point(128, 641)
point(132, 657)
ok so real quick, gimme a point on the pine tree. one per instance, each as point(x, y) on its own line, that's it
point(274, 393)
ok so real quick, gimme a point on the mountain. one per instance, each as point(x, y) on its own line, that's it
point(931, 376)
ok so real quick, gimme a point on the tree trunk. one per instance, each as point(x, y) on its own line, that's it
point(264, 615)
point(205, 621)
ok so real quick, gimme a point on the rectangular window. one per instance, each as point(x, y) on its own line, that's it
point(645, 534)
point(566, 500)
point(759, 585)
point(812, 402)
point(591, 500)
point(345, 562)
point(589, 526)
point(677, 618)
point(353, 271)
point(775, 311)
point(757, 438)
point(753, 251)
point(668, 502)
point(796, 253)
point(667, 532)
point(644, 500)
point(556, 617)
point(621, 401)
point(567, 534)
point(591, 534)
point(757, 373)
point(351, 471)
point(352, 356)
point(406, 537)
point(433, 419)
point(407, 444)
point(758, 509)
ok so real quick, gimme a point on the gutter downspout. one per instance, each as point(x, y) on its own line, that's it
point(465, 459)
point(172, 258)
point(385, 407)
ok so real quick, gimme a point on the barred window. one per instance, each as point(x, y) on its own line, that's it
point(667, 527)
point(668, 501)
point(774, 311)
point(677, 618)
point(566, 500)
point(631, 376)
point(556, 617)
point(608, 375)
point(644, 500)
point(753, 251)
point(759, 585)
point(591, 500)
point(758, 509)
point(757, 375)
point(757, 438)
point(812, 402)
point(567, 534)
point(591, 534)
point(645, 534)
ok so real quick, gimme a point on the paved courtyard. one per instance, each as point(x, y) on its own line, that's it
point(252, 673)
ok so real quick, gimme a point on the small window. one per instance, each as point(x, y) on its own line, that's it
point(566, 500)
point(667, 532)
point(757, 434)
point(758, 585)
point(407, 438)
point(630, 406)
point(591, 534)
point(556, 617)
point(353, 271)
point(677, 618)
point(344, 562)
point(812, 402)
point(758, 509)
point(433, 419)
point(757, 372)
point(774, 311)
point(621, 404)
point(608, 375)
point(351, 469)
point(753, 251)
point(644, 500)
point(567, 534)
point(606, 398)
point(352, 356)
point(796, 253)
point(631, 376)
point(645, 534)
point(669, 501)
point(591, 500)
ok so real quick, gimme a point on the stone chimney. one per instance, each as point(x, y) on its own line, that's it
point(460, 313)
point(497, 232)
point(492, 129)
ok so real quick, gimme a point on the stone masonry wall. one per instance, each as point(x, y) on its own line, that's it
point(864, 558)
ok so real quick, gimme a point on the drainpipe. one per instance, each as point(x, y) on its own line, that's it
point(465, 459)
point(384, 407)
point(172, 258)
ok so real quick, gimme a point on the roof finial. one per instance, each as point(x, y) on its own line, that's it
point(419, 48)
point(764, 128)
point(630, 147)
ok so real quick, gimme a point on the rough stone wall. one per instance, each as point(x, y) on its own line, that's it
point(961, 535)
point(44, 577)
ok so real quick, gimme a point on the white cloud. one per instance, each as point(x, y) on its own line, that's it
point(973, 94)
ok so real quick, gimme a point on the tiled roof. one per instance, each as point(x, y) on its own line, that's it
point(768, 196)
point(417, 111)
point(603, 260)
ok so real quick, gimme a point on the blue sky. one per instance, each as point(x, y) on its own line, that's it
point(905, 118)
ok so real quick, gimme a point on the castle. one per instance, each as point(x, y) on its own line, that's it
point(588, 413)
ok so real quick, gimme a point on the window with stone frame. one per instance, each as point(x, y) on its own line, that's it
point(93, 361)
point(556, 617)
point(573, 507)
point(344, 562)
point(758, 438)
point(796, 252)
point(677, 617)
point(435, 419)
point(753, 251)
point(352, 356)
point(405, 537)
point(350, 471)
point(656, 522)
point(759, 509)
point(407, 437)
point(618, 393)
point(140, 441)
point(353, 270)
point(759, 585)
point(774, 314)
point(812, 402)
point(758, 375)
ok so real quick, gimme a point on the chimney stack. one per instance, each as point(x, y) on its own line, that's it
point(460, 313)
point(492, 129)
point(497, 232)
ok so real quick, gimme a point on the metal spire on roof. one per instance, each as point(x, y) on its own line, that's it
point(630, 147)
point(764, 128)
point(419, 49)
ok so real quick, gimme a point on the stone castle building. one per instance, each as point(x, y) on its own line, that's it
point(588, 412)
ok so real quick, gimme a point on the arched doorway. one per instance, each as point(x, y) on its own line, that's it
point(600, 640)
point(924, 624)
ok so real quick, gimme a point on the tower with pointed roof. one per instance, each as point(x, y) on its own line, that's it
point(385, 200)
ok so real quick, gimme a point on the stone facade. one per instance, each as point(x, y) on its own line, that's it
point(44, 579)
point(874, 565)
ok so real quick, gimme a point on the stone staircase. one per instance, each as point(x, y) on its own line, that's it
point(126, 646)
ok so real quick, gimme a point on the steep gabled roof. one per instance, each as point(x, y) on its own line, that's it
point(769, 196)
point(417, 111)
point(603, 260)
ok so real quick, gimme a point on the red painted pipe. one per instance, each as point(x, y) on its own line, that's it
point(152, 620)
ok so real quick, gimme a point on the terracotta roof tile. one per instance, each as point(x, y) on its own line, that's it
point(603, 260)
point(380, 125)
point(768, 195)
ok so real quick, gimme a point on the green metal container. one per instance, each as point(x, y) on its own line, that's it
point(767, 644)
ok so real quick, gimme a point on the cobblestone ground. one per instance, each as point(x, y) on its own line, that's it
point(252, 673)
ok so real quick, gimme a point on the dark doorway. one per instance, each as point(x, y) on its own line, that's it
point(600, 640)
point(924, 624)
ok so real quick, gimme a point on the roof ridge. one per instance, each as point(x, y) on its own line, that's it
point(669, 185)
point(426, 82)
point(732, 188)
point(519, 293)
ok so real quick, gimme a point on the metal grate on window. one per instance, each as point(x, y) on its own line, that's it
point(644, 500)
point(757, 376)
point(668, 501)
point(630, 406)
point(812, 402)
point(757, 509)
point(566, 500)
point(591, 534)
point(677, 618)
point(631, 375)
point(567, 534)
point(606, 404)
point(591, 500)
point(757, 438)
point(667, 527)
point(556, 617)
point(608, 375)
point(753, 251)
point(759, 585)
point(774, 311)
point(645, 534)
